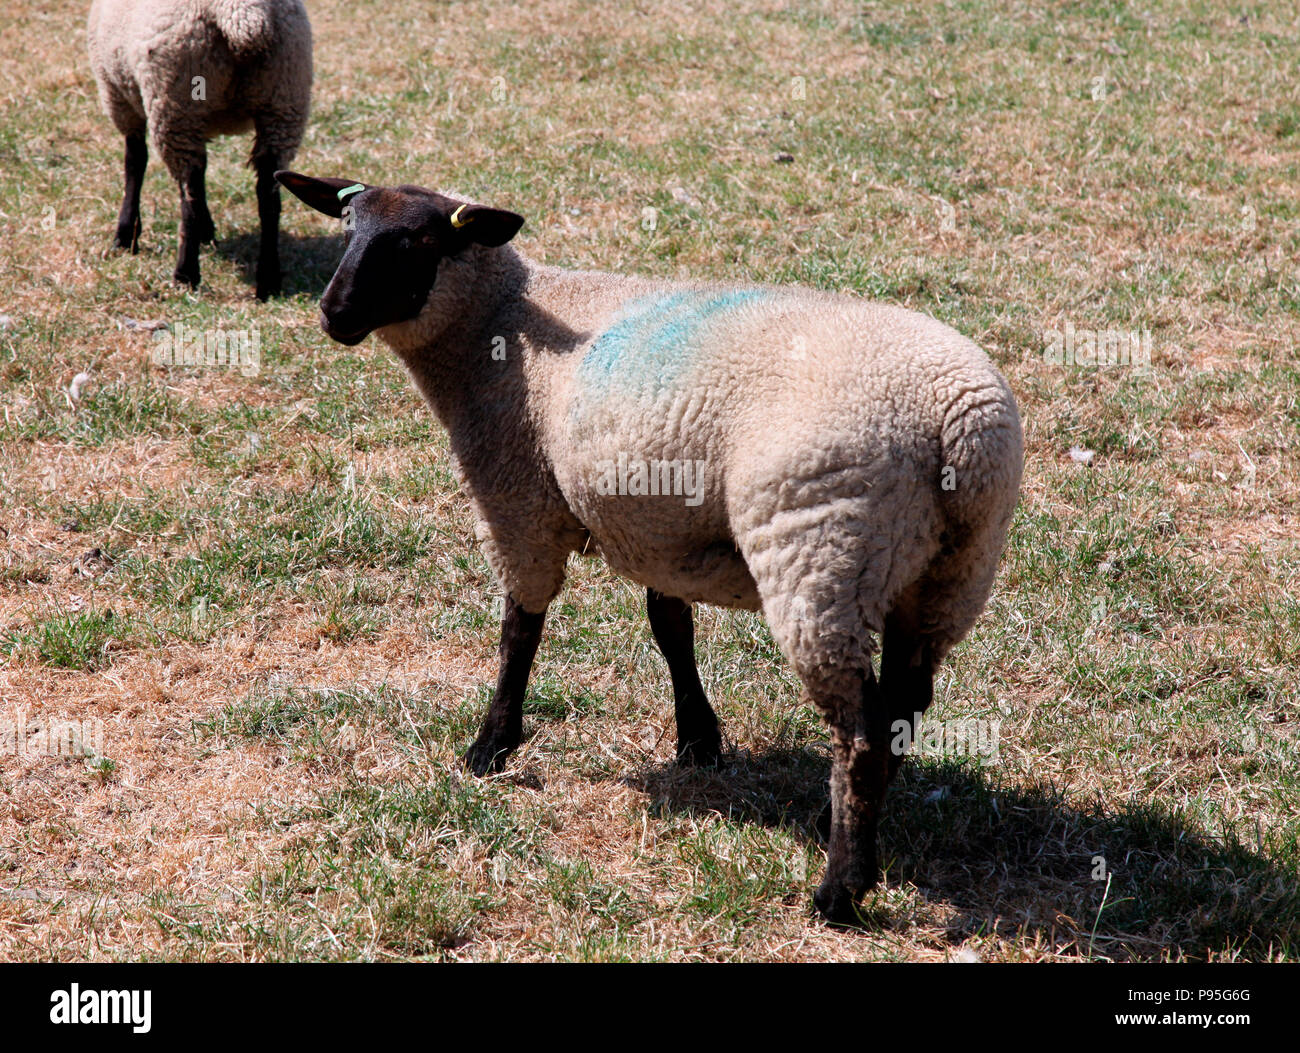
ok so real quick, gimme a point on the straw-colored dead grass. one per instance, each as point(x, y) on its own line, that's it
point(266, 587)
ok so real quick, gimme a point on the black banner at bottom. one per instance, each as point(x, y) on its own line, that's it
point(738, 1002)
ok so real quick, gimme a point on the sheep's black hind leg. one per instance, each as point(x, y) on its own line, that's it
point(268, 214)
point(503, 727)
point(906, 677)
point(699, 740)
point(196, 221)
point(128, 219)
point(859, 775)
point(907, 669)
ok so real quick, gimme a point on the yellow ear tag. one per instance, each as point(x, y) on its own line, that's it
point(456, 221)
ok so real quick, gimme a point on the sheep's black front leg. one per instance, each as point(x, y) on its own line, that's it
point(196, 222)
point(128, 219)
point(860, 768)
point(698, 739)
point(268, 214)
point(503, 727)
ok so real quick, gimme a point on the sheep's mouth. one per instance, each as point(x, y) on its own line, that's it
point(345, 337)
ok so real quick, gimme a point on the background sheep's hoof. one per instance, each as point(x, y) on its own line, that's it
point(268, 287)
point(127, 238)
point(187, 276)
point(697, 754)
point(486, 758)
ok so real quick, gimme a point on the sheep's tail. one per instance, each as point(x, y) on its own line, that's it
point(983, 455)
point(247, 25)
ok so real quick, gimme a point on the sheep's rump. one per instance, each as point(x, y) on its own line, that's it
point(201, 67)
point(814, 454)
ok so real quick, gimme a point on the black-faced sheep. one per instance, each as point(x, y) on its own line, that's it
point(853, 466)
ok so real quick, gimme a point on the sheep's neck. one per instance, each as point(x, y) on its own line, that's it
point(462, 352)
point(445, 347)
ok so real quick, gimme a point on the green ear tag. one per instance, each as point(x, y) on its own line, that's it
point(355, 188)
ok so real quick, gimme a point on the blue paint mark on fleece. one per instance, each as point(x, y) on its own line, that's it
point(655, 339)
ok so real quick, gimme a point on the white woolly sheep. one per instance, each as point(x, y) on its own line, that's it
point(853, 466)
point(186, 71)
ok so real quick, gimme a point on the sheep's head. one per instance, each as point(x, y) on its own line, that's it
point(394, 239)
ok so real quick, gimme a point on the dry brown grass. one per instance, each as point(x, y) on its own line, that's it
point(249, 813)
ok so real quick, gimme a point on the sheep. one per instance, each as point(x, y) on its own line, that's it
point(187, 71)
point(856, 468)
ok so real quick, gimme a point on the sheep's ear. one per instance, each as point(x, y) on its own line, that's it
point(320, 194)
point(486, 226)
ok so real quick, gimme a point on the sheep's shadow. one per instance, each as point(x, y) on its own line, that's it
point(1023, 862)
point(307, 261)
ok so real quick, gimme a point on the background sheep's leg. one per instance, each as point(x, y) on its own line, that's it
point(207, 230)
point(860, 766)
point(128, 219)
point(266, 159)
point(698, 738)
point(503, 727)
point(196, 221)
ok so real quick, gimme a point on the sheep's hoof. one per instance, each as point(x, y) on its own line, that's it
point(705, 753)
point(187, 276)
point(127, 238)
point(486, 758)
point(838, 904)
point(267, 289)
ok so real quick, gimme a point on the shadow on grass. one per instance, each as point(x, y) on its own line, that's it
point(306, 261)
point(1021, 862)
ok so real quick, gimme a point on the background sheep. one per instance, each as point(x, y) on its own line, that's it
point(862, 465)
point(189, 70)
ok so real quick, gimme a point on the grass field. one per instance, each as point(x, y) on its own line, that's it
point(266, 587)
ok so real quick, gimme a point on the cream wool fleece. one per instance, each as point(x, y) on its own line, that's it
point(849, 452)
point(254, 58)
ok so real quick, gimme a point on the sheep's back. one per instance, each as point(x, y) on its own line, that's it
point(777, 400)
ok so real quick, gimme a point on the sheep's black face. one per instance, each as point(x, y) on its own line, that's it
point(394, 239)
point(393, 242)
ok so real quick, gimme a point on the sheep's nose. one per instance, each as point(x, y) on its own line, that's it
point(337, 327)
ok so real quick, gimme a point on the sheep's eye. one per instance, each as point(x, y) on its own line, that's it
point(428, 241)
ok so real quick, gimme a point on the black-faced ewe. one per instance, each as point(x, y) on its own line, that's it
point(847, 467)
point(186, 71)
